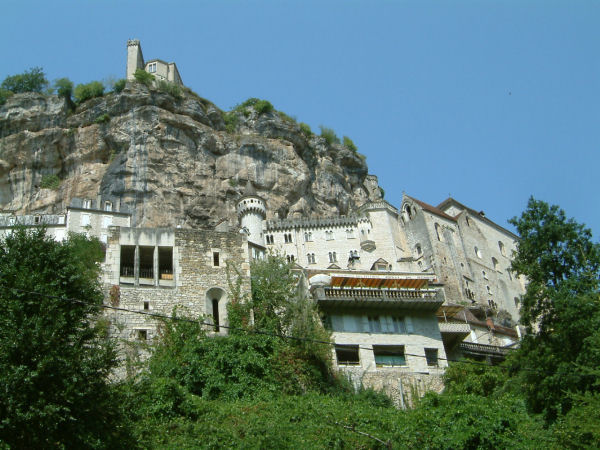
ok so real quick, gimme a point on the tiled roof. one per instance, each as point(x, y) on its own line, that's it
point(432, 209)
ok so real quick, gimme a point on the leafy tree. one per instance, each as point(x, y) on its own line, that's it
point(5, 94)
point(64, 88)
point(305, 129)
point(561, 308)
point(119, 85)
point(143, 77)
point(55, 358)
point(87, 91)
point(33, 80)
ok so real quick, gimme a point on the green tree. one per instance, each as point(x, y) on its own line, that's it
point(64, 89)
point(34, 80)
point(55, 357)
point(329, 135)
point(87, 91)
point(561, 308)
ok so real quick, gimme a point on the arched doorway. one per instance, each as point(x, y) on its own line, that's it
point(216, 307)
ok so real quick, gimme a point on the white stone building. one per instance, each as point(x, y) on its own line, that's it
point(161, 70)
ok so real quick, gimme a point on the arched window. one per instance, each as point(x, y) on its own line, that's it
point(485, 277)
point(477, 252)
point(495, 263)
point(418, 250)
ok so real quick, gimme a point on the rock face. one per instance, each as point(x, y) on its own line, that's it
point(169, 161)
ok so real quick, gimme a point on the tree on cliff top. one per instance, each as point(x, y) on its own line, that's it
point(55, 357)
point(33, 80)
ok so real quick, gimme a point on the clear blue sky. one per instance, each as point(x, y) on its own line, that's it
point(488, 101)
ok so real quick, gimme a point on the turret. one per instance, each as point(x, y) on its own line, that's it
point(251, 211)
point(135, 59)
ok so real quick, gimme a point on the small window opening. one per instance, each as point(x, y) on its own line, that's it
point(142, 335)
point(107, 206)
point(347, 355)
point(431, 355)
point(216, 259)
point(215, 310)
point(146, 306)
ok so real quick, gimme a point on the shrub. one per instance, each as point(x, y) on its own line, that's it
point(119, 85)
point(104, 118)
point(349, 144)
point(87, 91)
point(286, 118)
point(170, 88)
point(141, 76)
point(50, 182)
point(33, 80)
point(4, 95)
point(231, 121)
point(263, 107)
point(305, 129)
point(329, 135)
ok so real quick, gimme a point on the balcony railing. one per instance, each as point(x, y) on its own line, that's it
point(454, 327)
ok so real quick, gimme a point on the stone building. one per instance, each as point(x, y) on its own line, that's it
point(161, 70)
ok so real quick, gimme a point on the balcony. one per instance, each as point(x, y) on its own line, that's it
point(367, 244)
point(420, 299)
point(455, 328)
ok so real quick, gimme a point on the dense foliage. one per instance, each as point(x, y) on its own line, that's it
point(143, 77)
point(89, 90)
point(561, 308)
point(329, 135)
point(33, 80)
point(55, 357)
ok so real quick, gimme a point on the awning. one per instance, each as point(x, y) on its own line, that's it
point(378, 282)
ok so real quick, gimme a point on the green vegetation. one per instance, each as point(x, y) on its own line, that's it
point(305, 129)
point(103, 118)
point(286, 118)
point(231, 121)
point(329, 135)
point(5, 94)
point(141, 76)
point(260, 106)
point(170, 88)
point(119, 85)
point(87, 91)
point(64, 88)
point(349, 144)
point(562, 265)
point(33, 80)
point(55, 358)
point(50, 182)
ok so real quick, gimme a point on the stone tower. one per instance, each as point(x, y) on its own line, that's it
point(251, 211)
point(135, 59)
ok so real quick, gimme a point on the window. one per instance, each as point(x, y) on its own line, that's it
point(438, 232)
point(127, 260)
point(495, 263)
point(37, 220)
point(146, 306)
point(165, 263)
point(329, 235)
point(215, 314)
point(347, 355)
point(87, 203)
point(142, 335)
point(502, 249)
point(418, 250)
point(332, 257)
point(287, 237)
point(431, 356)
point(353, 255)
point(152, 67)
point(146, 262)
point(485, 277)
point(107, 206)
point(517, 302)
point(308, 236)
point(350, 233)
point(290, 258)
point(489, 291)
point(216, 259)
point(269, 238)
point(387, 355)
point(311, 258)
point(477, 251)
point(85, 220)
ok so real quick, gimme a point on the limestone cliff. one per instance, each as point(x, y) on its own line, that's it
point(169, 161)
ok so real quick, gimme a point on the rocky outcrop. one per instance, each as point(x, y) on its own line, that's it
point(168, 161)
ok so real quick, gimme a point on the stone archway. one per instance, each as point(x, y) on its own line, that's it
point(216, 307)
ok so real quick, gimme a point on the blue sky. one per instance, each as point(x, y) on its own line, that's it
point(488, 101)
